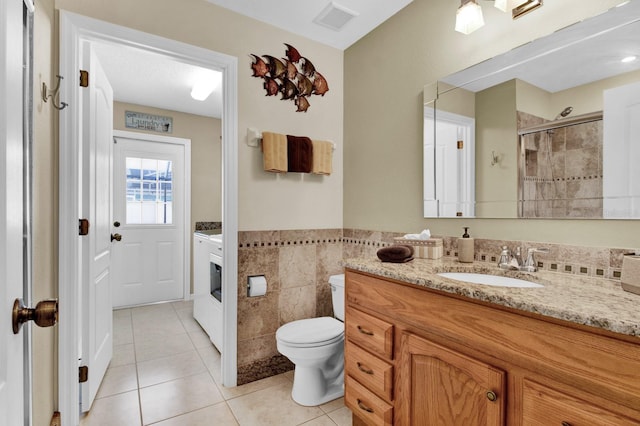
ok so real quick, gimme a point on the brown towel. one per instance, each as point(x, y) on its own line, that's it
point(396, 254)
point(300, 154)
point(322, 155)
point(274, 149)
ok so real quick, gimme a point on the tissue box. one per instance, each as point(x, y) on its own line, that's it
point(631, 273)
point(424, 249)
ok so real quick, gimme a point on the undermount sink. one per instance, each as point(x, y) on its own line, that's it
point(492, 280)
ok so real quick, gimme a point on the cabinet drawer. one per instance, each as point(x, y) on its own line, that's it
point(544, 406)
point(366, 405)
point(374, 373)
point(369, 332)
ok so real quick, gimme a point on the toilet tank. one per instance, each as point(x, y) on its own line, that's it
point(337, 295)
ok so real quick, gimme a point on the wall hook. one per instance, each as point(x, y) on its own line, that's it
point(495, 158)
point(46, 94)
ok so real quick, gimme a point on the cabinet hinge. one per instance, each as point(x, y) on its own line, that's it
point(83, 375)
point(84, 78)
point(55, 419)
point(460, 144)
point(83, 228)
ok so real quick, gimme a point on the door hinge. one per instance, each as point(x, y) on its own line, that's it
point(83, 373)
point(460, 144)
point(84, 78)
point(55, 419)
point(83, 228)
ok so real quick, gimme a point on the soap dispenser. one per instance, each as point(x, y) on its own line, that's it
point(465, 247)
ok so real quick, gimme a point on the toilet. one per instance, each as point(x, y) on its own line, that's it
point(316, 347)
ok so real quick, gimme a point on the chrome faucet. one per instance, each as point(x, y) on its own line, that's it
point(530, 265)
point(508, 260)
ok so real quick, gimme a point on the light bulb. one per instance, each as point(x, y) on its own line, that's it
point(469, 17)
point(500, 4)
point(206, 84)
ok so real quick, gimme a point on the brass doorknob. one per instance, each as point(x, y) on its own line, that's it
point(45, 314)
point(116, 237)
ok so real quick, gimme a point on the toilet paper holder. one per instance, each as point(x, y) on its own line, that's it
point(256, 285)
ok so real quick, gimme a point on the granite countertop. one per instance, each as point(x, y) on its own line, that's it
point(583, 300)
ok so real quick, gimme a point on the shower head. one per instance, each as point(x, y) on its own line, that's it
point(564, 112)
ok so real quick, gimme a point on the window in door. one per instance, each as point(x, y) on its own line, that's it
point(149, 191)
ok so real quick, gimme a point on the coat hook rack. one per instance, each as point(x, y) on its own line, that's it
point(46, 94)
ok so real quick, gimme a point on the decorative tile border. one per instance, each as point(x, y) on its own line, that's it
point(256, 239)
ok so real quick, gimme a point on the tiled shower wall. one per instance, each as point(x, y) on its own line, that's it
point(298, 264)
point(563, 170)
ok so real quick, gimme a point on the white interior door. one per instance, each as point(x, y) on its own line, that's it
point(96, 305)
point(11, 212)
point(150, 193)
point(449, 176)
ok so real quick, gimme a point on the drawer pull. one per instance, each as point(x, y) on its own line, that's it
point(364, 369)
point(565, 424)
point(491, 396)
point(365, 331)
point(364, 407)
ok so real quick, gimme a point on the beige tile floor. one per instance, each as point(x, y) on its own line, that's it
point(166, 372)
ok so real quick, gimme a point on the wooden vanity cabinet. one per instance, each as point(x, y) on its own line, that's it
point(455, 361)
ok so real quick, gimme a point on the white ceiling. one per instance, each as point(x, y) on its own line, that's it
point(145, 78)
point(297, 16)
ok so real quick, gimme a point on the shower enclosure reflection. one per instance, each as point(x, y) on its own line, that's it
point(561, 167)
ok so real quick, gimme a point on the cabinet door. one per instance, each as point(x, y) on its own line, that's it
point(438, 386)
point(543, 406)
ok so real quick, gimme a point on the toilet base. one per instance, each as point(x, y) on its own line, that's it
point(311, 389)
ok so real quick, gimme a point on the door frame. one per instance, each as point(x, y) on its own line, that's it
point(186, 187)
point(75, 29)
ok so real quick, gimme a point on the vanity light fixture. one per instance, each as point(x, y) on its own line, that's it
point(628, 59)
point(205, 84)
point(501, 4)
point(526, 7)
point(469, 17)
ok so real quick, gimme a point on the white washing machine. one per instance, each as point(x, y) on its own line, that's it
point(208, 285)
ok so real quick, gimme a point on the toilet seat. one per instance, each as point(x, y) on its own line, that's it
point(311, 332)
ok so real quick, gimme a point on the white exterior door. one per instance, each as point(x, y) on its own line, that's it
point(11, 212)
point(150, 211)
point(620, 152)
point(97, 322)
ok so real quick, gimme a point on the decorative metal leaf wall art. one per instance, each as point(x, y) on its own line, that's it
point(294, 77)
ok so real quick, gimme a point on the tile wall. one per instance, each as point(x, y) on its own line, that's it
point(563, 170)
point(297, 266)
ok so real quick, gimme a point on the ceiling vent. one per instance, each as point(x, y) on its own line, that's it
point(335, 16)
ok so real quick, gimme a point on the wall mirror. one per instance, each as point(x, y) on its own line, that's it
point(550, 129)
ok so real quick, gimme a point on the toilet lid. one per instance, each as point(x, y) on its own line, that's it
point(311, 332)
